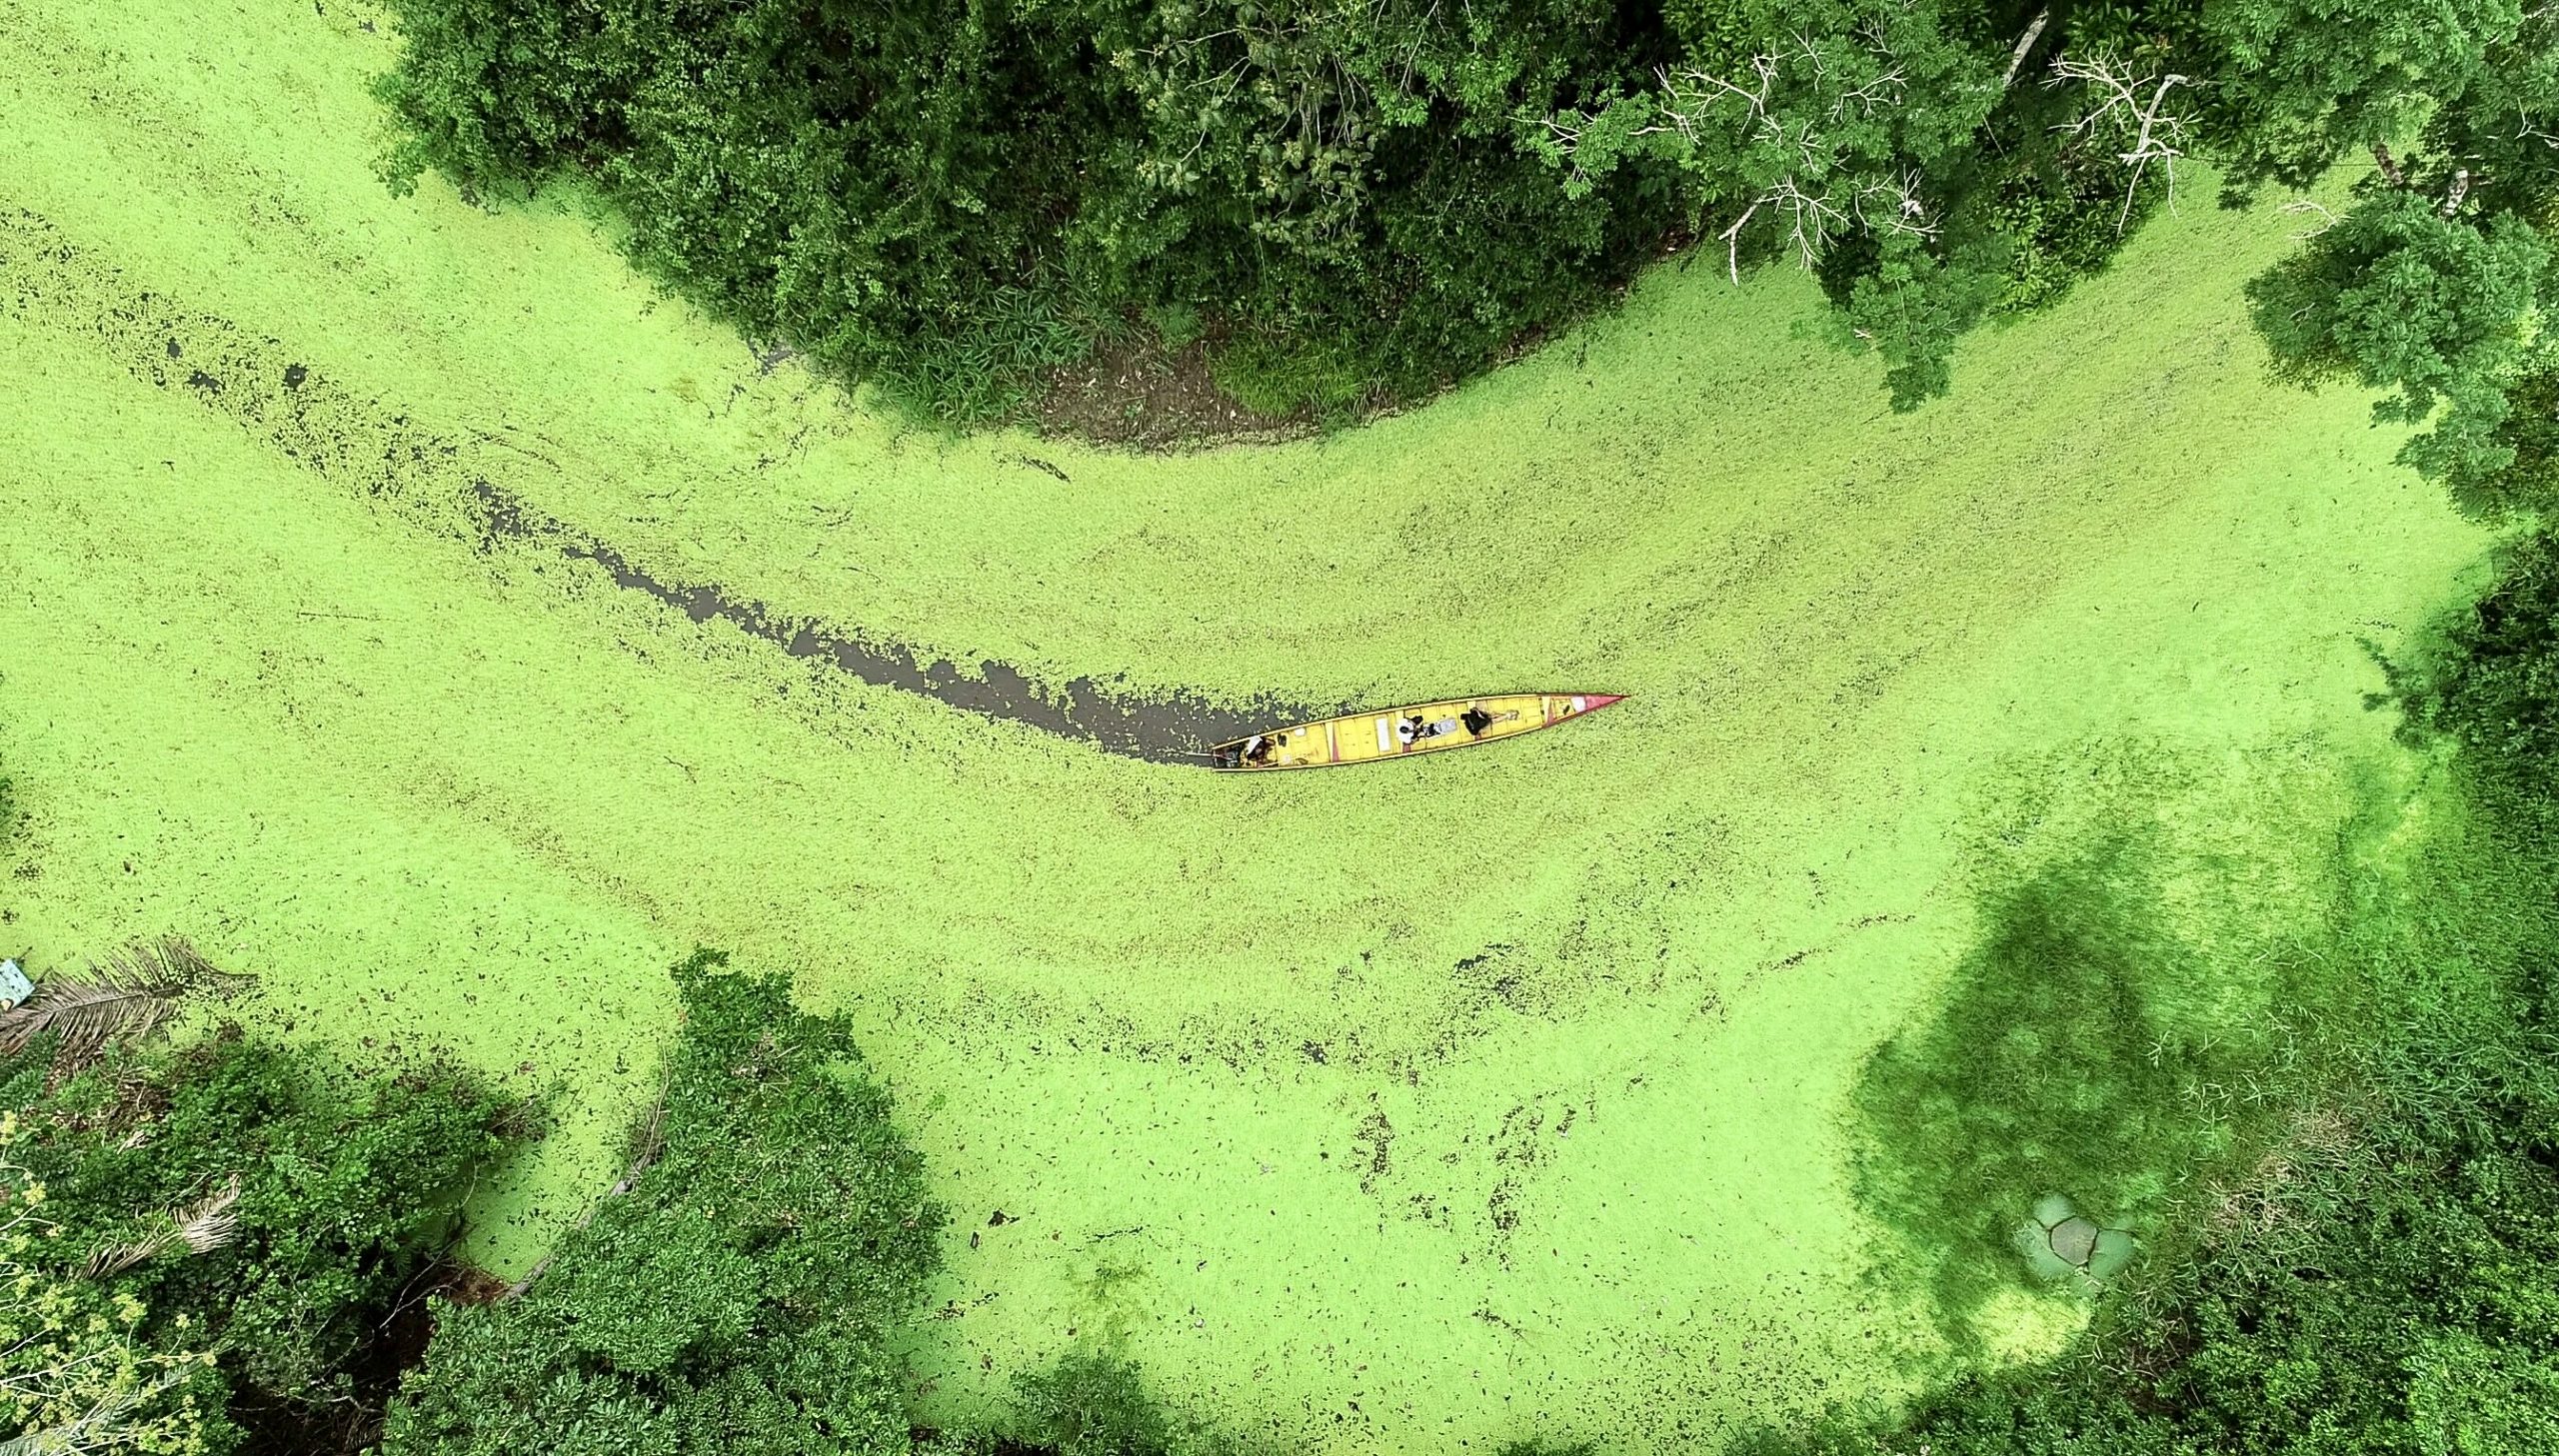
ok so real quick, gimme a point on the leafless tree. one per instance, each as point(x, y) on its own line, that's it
point(2121, 109)
point(2303, 205)
point(1814, 198)
point(2025, 43)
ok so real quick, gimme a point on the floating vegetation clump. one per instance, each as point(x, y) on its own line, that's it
point(2061, 1244)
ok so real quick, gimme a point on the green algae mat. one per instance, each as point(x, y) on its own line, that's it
point(1409, 1107)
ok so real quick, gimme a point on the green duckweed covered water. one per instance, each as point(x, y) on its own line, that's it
point(1385, 1110)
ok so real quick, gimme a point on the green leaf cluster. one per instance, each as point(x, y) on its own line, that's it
point(71, 1370)
point(948, 201)
point(336, 1191)
point(737, 1293)
point(2491, 681)
point(2301, 83)
point(2439, 282)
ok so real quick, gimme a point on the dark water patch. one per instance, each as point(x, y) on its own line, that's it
point(430, 481)
point(1168, 729)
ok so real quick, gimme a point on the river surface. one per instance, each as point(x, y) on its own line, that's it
point(374, 447)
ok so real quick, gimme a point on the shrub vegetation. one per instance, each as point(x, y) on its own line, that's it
point(1361, 202)
point(736, 1291)
point(210, 1250)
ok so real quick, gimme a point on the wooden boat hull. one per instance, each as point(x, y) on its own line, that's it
point(1402, 732)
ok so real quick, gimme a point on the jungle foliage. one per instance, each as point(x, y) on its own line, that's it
point(950, 200)
point(209, 1249)
point(237, 1246)
point(2491, 681)
point(2440, 281)
point(736, 1291)
point(1361, 202)
point(1097, 1404)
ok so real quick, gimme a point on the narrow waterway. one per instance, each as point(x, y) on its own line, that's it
point(375, 447)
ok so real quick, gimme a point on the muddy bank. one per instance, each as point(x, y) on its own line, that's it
point(443, 485)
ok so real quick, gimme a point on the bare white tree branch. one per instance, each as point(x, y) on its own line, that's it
point(2151, 132)
point(1733, 241)
point(2305, 205)
point(1792, 110)
point(2025, 43)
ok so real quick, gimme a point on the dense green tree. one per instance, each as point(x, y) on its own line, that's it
point(244, 1203)
point(2298, 84)
point(74, 1374)
point(2398, 294)
point(1364, 200)
point(1827, 127)
point(735, 1292)
point(2492, 683)
point(2530, 436)
point(2439, 281)
point(948, 200)
point(346, 1185)
point(1093, 1405)
point(1932, 171)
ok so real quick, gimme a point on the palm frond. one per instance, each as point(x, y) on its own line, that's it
point(203, 1226)
point(113, 1260)
point(132, 995)
point(211, 1221)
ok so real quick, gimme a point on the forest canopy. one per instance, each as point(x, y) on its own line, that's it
point(1355, 203)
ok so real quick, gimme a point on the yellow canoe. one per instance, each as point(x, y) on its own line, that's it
point(1394, 733)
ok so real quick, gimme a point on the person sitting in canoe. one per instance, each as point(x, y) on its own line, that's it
point(1415, 729)
point(1257, 750)
point(1476, 719)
